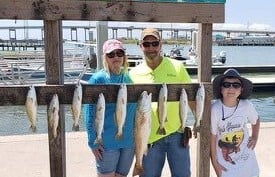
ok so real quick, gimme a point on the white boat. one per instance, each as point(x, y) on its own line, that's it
point(191, 57)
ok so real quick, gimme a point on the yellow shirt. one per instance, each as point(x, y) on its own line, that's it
point(169, 71)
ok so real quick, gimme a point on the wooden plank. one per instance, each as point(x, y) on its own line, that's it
point(55, 75)
point(16, 95)
point(204, 75)
point(112, 11)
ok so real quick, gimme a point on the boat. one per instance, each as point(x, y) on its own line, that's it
point(28, 67)
point(191, 57)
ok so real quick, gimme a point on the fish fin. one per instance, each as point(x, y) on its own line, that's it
point(115, 120)
point(161, 131)
point(138, 170)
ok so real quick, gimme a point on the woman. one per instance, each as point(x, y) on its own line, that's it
point(114, 156)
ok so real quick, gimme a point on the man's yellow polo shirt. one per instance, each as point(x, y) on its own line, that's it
point(169, 71)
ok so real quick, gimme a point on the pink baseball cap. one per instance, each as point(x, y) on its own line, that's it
point(111, 45)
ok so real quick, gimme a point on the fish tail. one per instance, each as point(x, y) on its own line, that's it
point(33, 128)
point(118, 135)
point(75, 127)
point(161, 131)
point(138, 170)
point(98, 141)
point(181, 129)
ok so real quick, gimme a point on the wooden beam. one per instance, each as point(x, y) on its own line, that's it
point(99, 10)
point(55, 75)
point(204, 75)
point(16, 95)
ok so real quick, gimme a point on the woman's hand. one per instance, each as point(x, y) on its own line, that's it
point(98, 152)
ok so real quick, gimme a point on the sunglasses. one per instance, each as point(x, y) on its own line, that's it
point(118, 53)
point(235, 85)
point(154, 44)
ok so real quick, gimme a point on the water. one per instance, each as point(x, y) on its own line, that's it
point(14, 121)
point(236, 55)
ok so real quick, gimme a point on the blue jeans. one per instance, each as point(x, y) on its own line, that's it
point(118, 161)
point(177, 156)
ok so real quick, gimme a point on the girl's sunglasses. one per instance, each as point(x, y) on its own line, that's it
point(119, 53)
point(235, 85)
point(154, 44)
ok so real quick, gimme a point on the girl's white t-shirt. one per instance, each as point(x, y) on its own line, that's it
point(232, 138)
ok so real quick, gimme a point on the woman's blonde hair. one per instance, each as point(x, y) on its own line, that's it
point(124, 65)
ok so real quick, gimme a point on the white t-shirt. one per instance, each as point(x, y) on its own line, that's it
point(232, 138)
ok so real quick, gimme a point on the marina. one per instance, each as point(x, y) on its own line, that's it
point(53, 13)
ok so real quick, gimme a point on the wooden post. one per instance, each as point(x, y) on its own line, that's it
point(204, 75)
point(55, 75)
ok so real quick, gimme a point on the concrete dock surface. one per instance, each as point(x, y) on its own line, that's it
point(28, 155)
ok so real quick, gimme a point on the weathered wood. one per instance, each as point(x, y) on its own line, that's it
point(16, 95)
point(204, 75)
point(55, 75)
point(111, 11)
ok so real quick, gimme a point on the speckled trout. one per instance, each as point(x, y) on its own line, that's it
point(183, 109)
point(121, 108)
point(162, 109)
point(142, 129)
point(53, 115)
point(200, 99)
point(99, 119)
point(31, 107)
point(76, 106)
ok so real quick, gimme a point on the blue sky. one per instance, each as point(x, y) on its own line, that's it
point(239, 14)
point(250, 12)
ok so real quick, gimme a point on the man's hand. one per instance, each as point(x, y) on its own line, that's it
point(186, 136)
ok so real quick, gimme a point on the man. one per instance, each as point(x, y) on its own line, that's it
point(159, 69)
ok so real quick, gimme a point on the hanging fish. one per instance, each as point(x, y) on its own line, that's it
point(99, 119)
point(200, 99)
point(183, 109)
point(142, 129)
point(121, 108)
point(76, 106)
point(162, 109)
point(53, 115)
point(31, 107)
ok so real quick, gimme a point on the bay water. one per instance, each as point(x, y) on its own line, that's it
point(14, 121)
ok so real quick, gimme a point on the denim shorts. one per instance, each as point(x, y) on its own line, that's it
point(118, 161)
point(178, 157)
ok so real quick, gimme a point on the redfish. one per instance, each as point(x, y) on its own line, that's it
point(142, 129)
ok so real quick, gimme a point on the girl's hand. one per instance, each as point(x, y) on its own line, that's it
point(251, 142)
point(218, 168)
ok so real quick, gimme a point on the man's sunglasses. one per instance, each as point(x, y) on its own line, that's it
point(235, 85)
point(119, 53)
point(154, 44)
